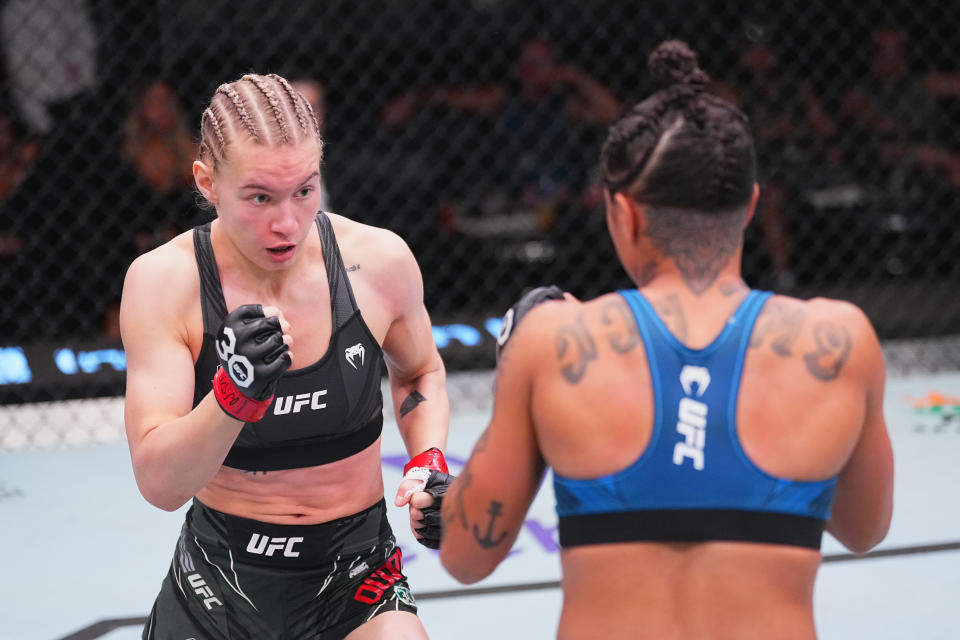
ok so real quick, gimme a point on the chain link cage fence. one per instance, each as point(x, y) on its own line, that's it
point(473, 130)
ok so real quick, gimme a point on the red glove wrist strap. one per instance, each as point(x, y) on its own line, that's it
point(235, 404)
point(430, 459)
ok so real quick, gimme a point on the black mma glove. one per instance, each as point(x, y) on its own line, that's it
point(521, 307)
point(430, 467)
point(252, 356)
point(432, 530)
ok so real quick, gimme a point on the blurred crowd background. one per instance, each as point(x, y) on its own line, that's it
point(473, 129)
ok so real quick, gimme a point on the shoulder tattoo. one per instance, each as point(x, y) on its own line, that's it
point(833, 348)
point(575, 339)
point(623, 335)
point(779, 324)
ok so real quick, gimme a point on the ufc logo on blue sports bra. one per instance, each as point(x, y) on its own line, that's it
point(692, 417)
point(286, 404)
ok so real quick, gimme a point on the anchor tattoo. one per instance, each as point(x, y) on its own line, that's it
point(496, 509)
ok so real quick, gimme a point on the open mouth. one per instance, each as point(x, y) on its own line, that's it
point(281, 252)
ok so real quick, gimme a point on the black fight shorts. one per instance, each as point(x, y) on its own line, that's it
point(235, 578)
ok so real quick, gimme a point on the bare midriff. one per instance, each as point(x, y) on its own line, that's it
point(308, 495)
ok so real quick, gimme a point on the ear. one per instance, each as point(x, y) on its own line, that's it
point(624, 216)
point(753, 204)
point(204, 177)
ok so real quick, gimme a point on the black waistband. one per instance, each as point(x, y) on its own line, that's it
point(295, 455)
point(287, 545)
point(691, 525)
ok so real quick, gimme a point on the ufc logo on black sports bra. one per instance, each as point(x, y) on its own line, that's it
point(285, 404)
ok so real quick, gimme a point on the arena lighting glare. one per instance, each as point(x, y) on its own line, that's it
point(14, 366)
point(16, 361)
point(70, 362)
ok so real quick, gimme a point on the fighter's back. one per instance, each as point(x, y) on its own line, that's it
point(807, 409)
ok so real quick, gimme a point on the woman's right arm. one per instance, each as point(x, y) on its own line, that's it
point(175, 449)
point(863, 500)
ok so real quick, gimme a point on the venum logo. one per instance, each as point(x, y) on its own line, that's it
point(267, 546)
point(286, 404)
point(355, 355)
point(692, 417)
point(238, 367)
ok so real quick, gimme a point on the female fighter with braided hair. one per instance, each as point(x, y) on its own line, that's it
point(255, 348)
point(702, 435)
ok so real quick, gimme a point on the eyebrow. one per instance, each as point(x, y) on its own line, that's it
point(260, 187)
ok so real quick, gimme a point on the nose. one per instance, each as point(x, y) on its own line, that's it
point(284, 220)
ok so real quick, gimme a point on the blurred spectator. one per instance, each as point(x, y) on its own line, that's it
point(17, 154)
point(509, 175)
point(50, 48)
point(536, 114)
point(157, 140)
point(157, 143)
point(792, 134)
point(896, 113)
point(313, 91)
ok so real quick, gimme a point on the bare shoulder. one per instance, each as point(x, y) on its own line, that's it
point(831, 336)
point(822, 311)
point(567, 327)
point(375, 240)
point(162, 280)
point(380, 262)
point(368, 248)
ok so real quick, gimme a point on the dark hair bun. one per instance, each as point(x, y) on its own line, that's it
point(674, 62)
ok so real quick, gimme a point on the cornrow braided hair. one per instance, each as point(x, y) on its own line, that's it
point(681, 147)
point(274, 101)
point(214, 123)
point(304, 113)
point(241, 108)
point(264, 107)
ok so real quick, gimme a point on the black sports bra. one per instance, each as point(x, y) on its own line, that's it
point(326, 411)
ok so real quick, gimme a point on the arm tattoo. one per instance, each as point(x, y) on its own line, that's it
point(671, 313)
point(410, 403)
point(353, 267)
point(782, 323)
point(628, 337)
point(833, 347)
point(481, 444)
point(487, 539)
point(578, 333)
point(458, 509)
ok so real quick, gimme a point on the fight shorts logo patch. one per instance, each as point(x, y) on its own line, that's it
point(355, 355)
point(404, 595)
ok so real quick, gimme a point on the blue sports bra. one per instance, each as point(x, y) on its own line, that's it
point(693, 482)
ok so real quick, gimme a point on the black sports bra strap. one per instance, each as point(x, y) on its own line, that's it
point(342, 301)
point(211, 293)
